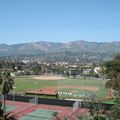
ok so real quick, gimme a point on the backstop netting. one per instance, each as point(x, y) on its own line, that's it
point(34, 100)
point(75, 106)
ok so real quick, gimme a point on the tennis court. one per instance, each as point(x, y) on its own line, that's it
point(41, 114)
point(30, 111)
point(10, 107)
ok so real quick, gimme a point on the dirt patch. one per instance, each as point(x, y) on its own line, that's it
point(53, 90)
point(79, 87)
point(48, 77)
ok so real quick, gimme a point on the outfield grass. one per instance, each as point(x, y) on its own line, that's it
point(27, 83)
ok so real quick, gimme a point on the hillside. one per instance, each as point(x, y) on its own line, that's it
point(63, 51)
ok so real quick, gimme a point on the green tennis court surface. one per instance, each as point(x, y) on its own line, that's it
point(40, 114)
point(10, 107)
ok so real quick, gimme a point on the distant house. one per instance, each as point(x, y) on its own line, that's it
point(74, 72)
point(86, 71)
point(25, 61)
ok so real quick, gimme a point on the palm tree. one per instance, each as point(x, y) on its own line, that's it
point(9, 116)
point(7, 85)
point(56, 116)
point(7, 82)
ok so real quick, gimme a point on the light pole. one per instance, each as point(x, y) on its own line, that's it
point(35, 92)
point(13, 94)
point(13, 75)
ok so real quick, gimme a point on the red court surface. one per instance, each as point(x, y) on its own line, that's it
point(25, 108)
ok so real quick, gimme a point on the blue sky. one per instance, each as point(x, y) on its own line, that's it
point(59, 20)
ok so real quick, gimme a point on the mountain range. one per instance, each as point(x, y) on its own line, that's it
point(76, 49)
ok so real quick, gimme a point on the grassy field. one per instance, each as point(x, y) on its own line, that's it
point(23, 84)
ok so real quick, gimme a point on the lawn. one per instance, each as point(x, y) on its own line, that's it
point(28, 83)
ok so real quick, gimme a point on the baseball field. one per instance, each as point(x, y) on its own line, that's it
point(64, 87)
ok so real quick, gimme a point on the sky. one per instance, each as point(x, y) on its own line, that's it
point(24, 21)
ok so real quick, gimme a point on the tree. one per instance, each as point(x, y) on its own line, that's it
point(7, 82)
point(7, 116)
point(7, 85)
point(37, 69)
point(56, 116)
point(112, 70)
